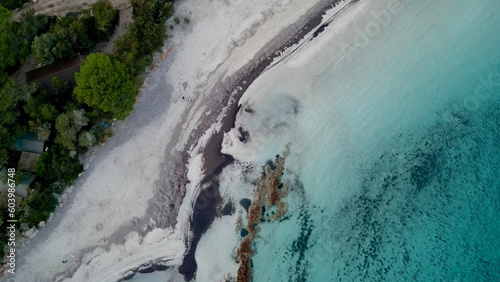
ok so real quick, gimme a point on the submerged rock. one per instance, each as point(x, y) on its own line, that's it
point(243, 232)
point(245, 203)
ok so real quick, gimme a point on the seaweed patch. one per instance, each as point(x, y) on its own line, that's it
point(268, 205)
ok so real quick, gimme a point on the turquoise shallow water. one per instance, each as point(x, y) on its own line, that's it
point(397, 149)
point(428, 210)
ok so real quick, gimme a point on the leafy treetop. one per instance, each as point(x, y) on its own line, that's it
point(104, 83)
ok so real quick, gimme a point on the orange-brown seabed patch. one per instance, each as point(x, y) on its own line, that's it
point(268, 194)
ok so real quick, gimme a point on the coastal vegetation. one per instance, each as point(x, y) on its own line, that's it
point(70, 119)
point(72, 34)
point(12, 4)
point(144, 35)
point(15, 42)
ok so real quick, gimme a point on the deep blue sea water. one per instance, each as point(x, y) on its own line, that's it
point(396, 149)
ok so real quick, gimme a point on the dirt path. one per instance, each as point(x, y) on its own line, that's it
point(125, 19)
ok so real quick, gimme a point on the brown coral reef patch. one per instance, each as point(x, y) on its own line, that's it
point(269, 194)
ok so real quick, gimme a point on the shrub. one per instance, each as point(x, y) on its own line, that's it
point(106, 18)
point(145, 35)
point(57, 165)
point(13, 4)
point(38, 205)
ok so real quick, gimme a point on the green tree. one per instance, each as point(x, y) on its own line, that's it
point(106, 17)
point(38, 110)
point(63, 45)
point(35, 108)
point(7, 56)
point(79, 119)
point(42, 48)
point(26, 91)
point(9, 97)
point(126, 49)
point(86, 139)
point(66, 133)
point(68, 125)
point(29, 26)
point(59, 86)
point(38, 205)
point(9, 116)
point(149, 27)
point(43, 131)
point(57, 164)
point(105, 84)
point(144, 35)
point(80, 33)
point(55, 44)
point(12, 4)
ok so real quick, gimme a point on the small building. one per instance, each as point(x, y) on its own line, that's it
point(27, 161)
point(63, 70)
point(30, 148)
point(30, 143)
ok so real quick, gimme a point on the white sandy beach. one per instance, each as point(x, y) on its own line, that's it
point(104, 229)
